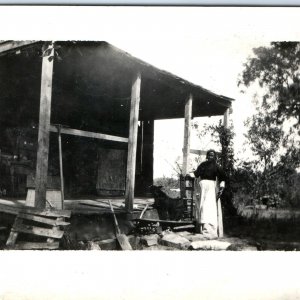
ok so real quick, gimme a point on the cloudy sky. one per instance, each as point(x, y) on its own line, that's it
point(206, 46)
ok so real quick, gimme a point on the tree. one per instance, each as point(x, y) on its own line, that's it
point(272, 133)
point(277, 70)
point(223, 138)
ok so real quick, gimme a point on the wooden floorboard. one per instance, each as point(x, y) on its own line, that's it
point(52, 233)
point(76, 206)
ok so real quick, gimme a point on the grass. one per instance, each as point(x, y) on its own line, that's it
point(275, 229)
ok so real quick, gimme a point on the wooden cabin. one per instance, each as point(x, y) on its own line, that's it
point(95, 105)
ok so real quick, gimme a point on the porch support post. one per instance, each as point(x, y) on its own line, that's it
point(44, 125)
point(132, 143)
point(226, 118)
point(187, 134)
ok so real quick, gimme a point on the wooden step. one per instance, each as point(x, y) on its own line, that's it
point(52, 233)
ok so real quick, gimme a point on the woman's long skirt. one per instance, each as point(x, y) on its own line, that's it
point(206, 204)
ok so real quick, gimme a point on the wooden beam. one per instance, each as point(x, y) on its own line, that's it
point(197, 152)
point(187, 134)
point(167, 222)
point(201, 152)
point(132, 143)
point(44, 125)
point(43, 220)
point(14, 45)
point(88, 134)
point(15, 210)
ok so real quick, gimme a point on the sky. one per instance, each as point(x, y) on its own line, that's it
point(205, 45)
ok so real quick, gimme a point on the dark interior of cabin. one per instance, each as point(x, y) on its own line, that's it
point(89, 93)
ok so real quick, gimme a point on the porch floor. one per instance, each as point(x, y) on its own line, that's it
point(91, 205)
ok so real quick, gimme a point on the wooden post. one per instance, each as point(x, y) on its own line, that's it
point(61, 167)
point(44, 124)
point(226, 118)
point(148, 153)
point(187, 134)
point(219, 207)
point(132, 143)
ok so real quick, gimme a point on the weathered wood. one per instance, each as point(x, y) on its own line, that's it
point(101, 206)
point(14, 45)
point(53, 198)
point(111, 172)
point(201, 152)
point(198, 152)
point(187, 134)
point(167, 222)
point(123, 242)
point(61, 172)
point(143, 211)
point(44, 125)
point(52, 233)
point(89, 134)
point(132, 143)
point(122, 238)
point(14, 210)
point(55, 228)
point(107, 204)
point(43, 220)
point(13, 234)
point(36, 246)
point(226, 118)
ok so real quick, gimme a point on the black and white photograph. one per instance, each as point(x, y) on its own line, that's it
point(151, 133)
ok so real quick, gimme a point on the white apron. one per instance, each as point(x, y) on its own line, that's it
point(206, 205)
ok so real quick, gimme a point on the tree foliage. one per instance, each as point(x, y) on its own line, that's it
point(272, 132)
point(277, 70)
point(223, 138)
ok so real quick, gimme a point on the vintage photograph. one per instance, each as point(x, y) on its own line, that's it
point(187, 146)
point(170, 131)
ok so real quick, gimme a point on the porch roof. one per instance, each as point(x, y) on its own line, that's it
point(92, 81)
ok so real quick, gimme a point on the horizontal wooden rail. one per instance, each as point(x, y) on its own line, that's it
point(43, 220)
point(89, 134)
point(15, 210)
point(167, 222)
point(201, 152)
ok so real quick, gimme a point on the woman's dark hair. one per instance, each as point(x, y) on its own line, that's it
point(211, 151)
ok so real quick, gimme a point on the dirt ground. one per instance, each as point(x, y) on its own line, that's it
point(254, 232)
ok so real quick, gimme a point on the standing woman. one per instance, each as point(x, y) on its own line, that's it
point(206, 206)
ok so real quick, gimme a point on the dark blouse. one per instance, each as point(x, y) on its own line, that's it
point(210, 170)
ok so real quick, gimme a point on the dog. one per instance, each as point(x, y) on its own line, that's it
point(168, 208)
